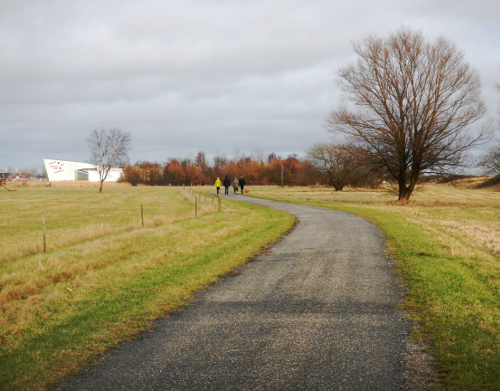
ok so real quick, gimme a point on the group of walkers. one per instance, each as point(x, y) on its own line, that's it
point(226, 182)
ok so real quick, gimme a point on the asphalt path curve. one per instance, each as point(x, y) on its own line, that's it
point(318, 311)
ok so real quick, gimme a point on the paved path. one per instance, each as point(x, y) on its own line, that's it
point(317, 312)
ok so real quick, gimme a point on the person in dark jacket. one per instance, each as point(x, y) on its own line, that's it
point(226, 182)
point(242, 184)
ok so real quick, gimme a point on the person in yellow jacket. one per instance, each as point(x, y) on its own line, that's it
point(218, 184)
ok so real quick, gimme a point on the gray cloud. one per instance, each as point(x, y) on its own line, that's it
point(196, 75)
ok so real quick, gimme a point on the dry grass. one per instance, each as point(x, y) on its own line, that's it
point(74, 217)
point(104, 275)
point(466, 218)
point(83, 229)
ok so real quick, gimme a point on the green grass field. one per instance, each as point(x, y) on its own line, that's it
point(104, 277)
point(446, 243)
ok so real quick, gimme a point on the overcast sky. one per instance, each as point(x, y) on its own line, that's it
point(184, 76)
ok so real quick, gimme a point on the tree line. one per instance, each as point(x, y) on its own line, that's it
point(324, 164)
point(271, 170)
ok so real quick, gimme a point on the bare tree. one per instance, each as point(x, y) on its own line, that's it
point(220, 163)
point(201, 160)
point(491, 161)
point(334, 162)
point(412, 104)
point(109, 149)
point(258, 155)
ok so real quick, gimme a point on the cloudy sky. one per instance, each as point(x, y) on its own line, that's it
point(188, 75)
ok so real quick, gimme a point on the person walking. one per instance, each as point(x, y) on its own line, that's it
point(226, 182)
point(236, 183)
point(218, 184)
point(242, 184)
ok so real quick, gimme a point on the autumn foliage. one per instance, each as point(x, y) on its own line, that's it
point(272, 170)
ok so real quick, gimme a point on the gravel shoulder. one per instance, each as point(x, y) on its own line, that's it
point(318, 311)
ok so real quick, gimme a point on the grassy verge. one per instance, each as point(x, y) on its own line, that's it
point(447, 245)
point(90, 290)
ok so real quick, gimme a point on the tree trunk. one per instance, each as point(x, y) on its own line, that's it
point(406, 191)
point(404, 194)
point(339, 186)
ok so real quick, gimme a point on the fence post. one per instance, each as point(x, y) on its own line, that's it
point(44, 234)
point(142, 216)
point(220, 200)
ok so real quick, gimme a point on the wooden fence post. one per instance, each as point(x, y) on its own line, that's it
point(44, 234)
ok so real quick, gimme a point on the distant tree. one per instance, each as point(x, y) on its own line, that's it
point(412, 104)
point(192, 172)
point(335, 162)
point(220, 164)
point(109, 149)
point(272, 156)
point(290, 170)
point(491, 161)
point(258, 156)
point(282, 172)
point(274, 171)
point(237, 155)
point(152, 173)
point(133, 175)
point(201, 160)
point(173, 173)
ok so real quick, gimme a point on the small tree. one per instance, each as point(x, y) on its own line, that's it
point(335, 162)
point(109, 149)
point(491, 161)
point(412, 104)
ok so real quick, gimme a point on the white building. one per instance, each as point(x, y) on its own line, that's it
point(61, 170)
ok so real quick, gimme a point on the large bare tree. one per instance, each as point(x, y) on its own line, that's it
point(409, 104)
point(109, 149)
